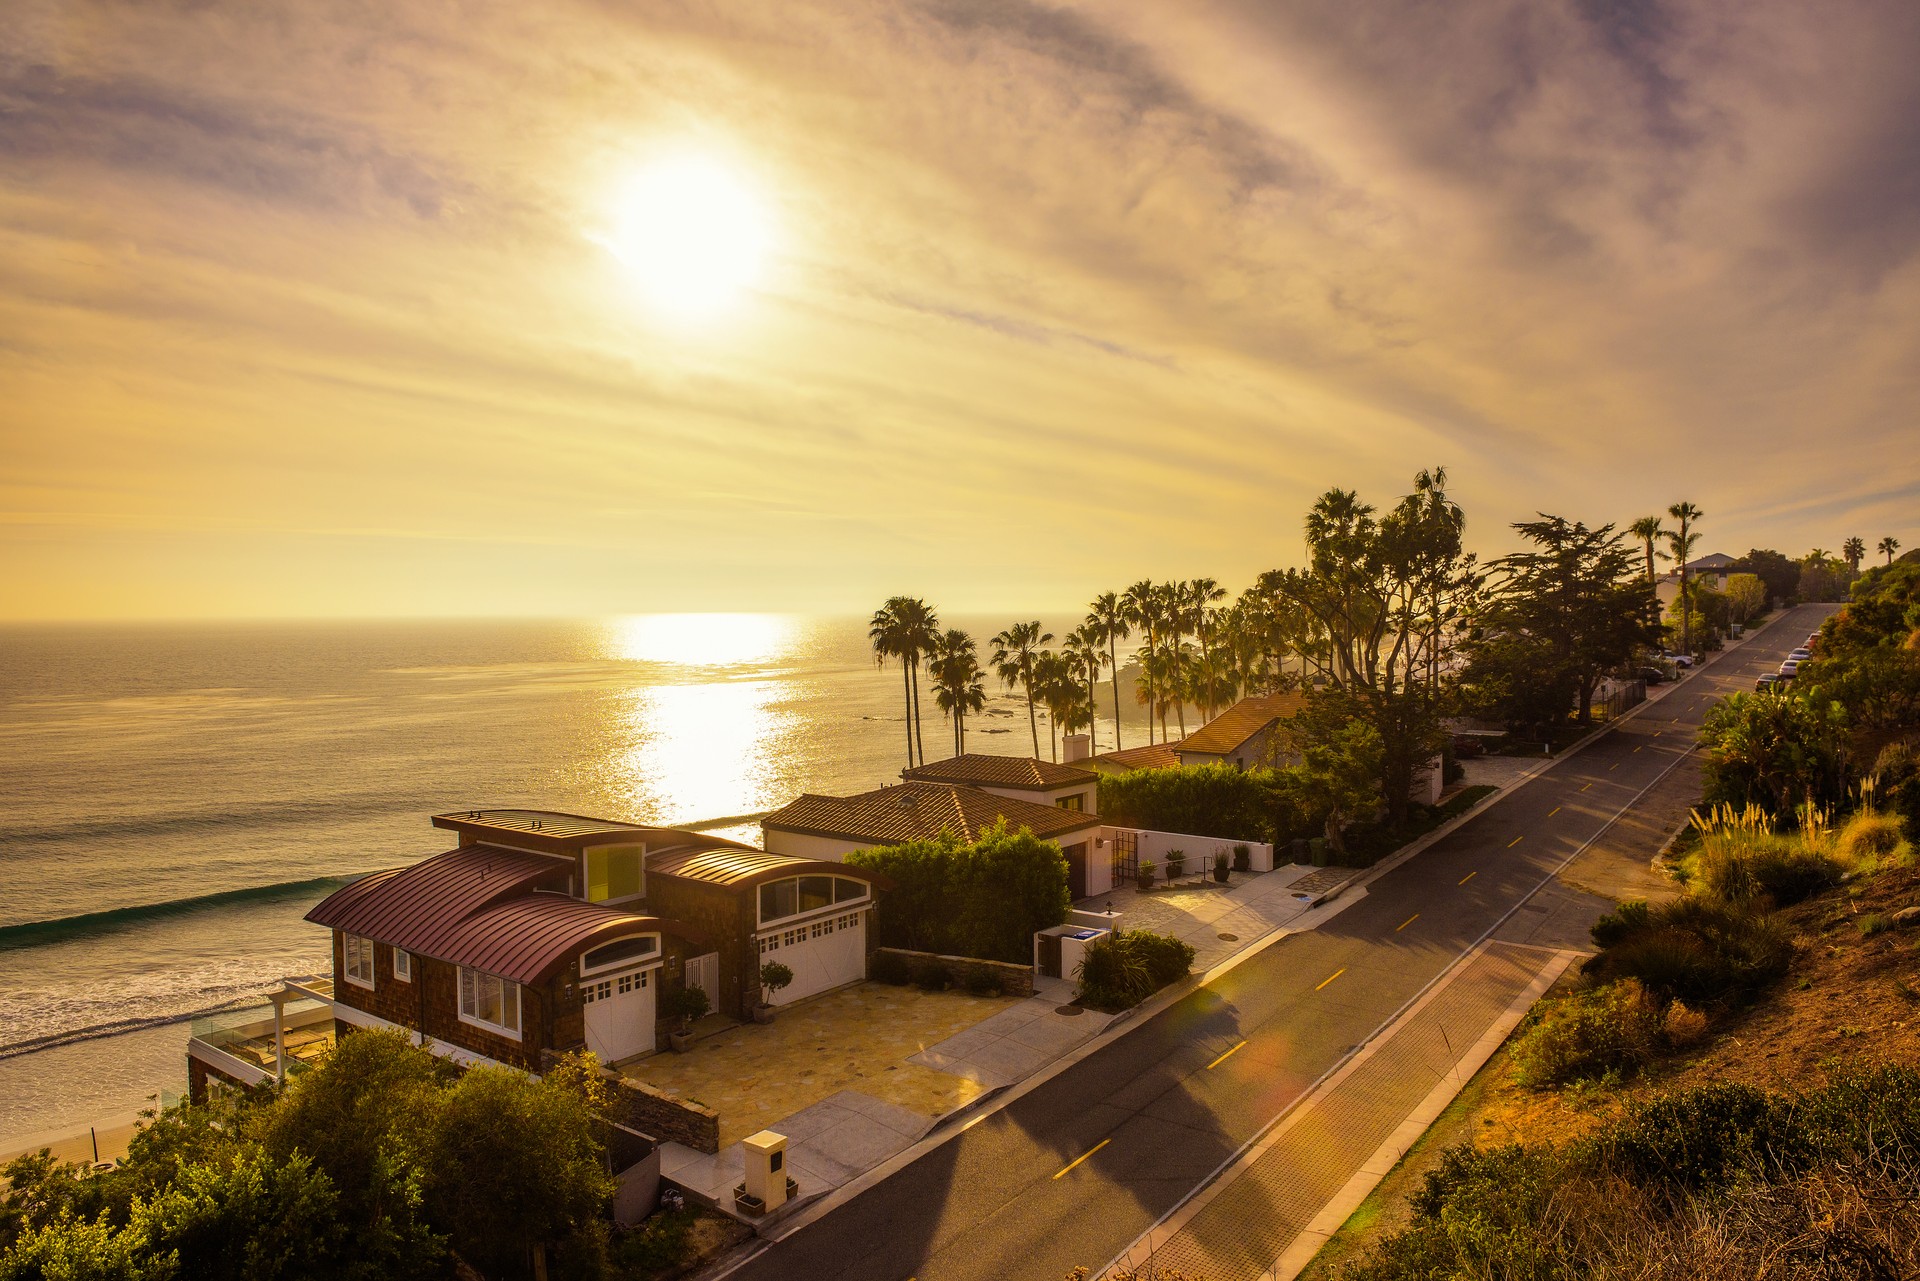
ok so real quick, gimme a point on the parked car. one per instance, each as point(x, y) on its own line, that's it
point(1678, 660)
point(1801, 655)
point(1790, 668)
point(1651, 675)
point(1767, 681)
point(1465, 745)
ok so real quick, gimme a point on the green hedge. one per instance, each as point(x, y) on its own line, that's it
point(984, 900)
point(1211, 800)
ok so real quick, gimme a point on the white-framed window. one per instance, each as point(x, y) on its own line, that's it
point(799, 895)
point(614, 872)
point(358, 958)
point(620, 951)
point(403, 965)
point(489, 1001)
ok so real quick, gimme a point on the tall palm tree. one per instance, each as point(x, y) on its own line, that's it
point(1855, 550)
point(1057, 683)
point(1013, 654)
point(954, 669)
point(921, 629)
point(1085, 649)
point(1681, 543)
point(1202, 595)
point(891, 634)
point(1142, 603)
point(1173, 615)
point(1647, 529)
point(1108, 618)
point(1888, 545)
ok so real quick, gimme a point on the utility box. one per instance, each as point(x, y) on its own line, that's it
point(766, 1172)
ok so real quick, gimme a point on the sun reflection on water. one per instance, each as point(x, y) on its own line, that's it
point(701, 640)
point(705, 751)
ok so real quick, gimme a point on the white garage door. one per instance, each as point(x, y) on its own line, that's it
point(619, 1014)
point(823, 953)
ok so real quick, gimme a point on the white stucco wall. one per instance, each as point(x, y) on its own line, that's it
point(832, 849)
point(1198, 849)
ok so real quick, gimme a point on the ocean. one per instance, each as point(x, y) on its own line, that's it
point(174, 798)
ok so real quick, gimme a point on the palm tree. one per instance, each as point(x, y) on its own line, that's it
point(1855, 550)
point(1084, 649)
point(1013, 655)
point(1681, 544)
point(1202, 595)
point(1888, 545)
point(1057, 682)
point(1108, 618)
point(1647, 529)
point(1142, 603)
point(1174, 614)
point(954, 668)
point(922, 630)
point(894, 633)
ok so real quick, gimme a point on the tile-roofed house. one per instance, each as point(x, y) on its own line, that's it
point(1128, 759)
point(1020, 778)
point(1242, 735)
point(829, 827)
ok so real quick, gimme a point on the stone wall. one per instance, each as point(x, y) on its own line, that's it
point(1015, 980)
point(665, 1118)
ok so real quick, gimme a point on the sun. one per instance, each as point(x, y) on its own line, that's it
point(693, 233)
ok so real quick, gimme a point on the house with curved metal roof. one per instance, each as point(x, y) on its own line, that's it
point(544, 932)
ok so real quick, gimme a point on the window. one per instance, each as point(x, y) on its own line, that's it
point(619, 950)
point(490, 1001)
point(613, 872)
point(1076, 802)
point(359, 959)
point(403, 965)
point(797, 895)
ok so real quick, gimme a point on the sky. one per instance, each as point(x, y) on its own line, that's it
point(320, 309)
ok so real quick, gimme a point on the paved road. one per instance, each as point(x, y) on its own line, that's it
point(1159, 1109)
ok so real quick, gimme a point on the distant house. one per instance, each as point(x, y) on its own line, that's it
point(1241, 736)
point(831, 827)
point(1712, 569)
point(1019, 778)
point(1128, 759)
point(542, 933)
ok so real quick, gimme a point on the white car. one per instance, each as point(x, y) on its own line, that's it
point(1800, 655)
point(1678, 660)
point(1790, 668)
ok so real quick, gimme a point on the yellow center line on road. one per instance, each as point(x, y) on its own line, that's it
point(1585, 788)
point(1084, 1155)
point(1553, 811)
point(1468, 877)
point(1223, 1058)
point(1611, 768)
point(1331, 977)
point(1515, 841)
point(1404, 924)
point(1636, 749)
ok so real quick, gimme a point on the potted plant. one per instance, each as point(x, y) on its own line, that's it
point(773, 977)
point(1220, 866)
point(687, 1005)
point(1144, 876)
point(1242, 859)
point(1176, 864)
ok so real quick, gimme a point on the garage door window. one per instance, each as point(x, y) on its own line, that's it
point(619, 951)
point(799, 895)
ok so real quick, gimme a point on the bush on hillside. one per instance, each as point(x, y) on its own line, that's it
point(1776, 752)
point(986, 900)
point(1782, 869)
point(1869, 837)
point(1615, 1028)
point(1702, 951)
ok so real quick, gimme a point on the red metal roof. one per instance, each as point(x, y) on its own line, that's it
point(482, 906)
point(743, 869)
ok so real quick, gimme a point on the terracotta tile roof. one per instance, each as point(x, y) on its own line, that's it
point(1228, 731)
point(921, 811)
point(999, 771)
point(482, 906)
point(742, 869)
point(1147, 756)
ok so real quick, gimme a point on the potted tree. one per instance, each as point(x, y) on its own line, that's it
point(687, 1005)
point(1242, 859)
point(1144, 876)
point(1220, 866)
point(1176, 864)
point(773, 977)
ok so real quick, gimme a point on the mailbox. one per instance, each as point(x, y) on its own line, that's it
point(766, 1168)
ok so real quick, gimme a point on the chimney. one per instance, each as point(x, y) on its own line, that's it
point(1079, 747)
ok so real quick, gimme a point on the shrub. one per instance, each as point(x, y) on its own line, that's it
point(929, 975)
point(1620, 924)
point(1699, 950)
point(1705, 1137)
point(773, 977)
point(1168, 959)
point(1793, 875)
point(1128, 966)
point(1683, 1027)
point(1874, 923)
point(983, 983)
point(1615, 1028)
point(1204, 800)
point(1869, 836)
point(1176, 864)
point(890, 967)
point(1242, 859)
point(986, 900)
point(687, 1005)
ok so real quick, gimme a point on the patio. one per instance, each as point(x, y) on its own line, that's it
point(1248, 906)
point(859, 1038)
